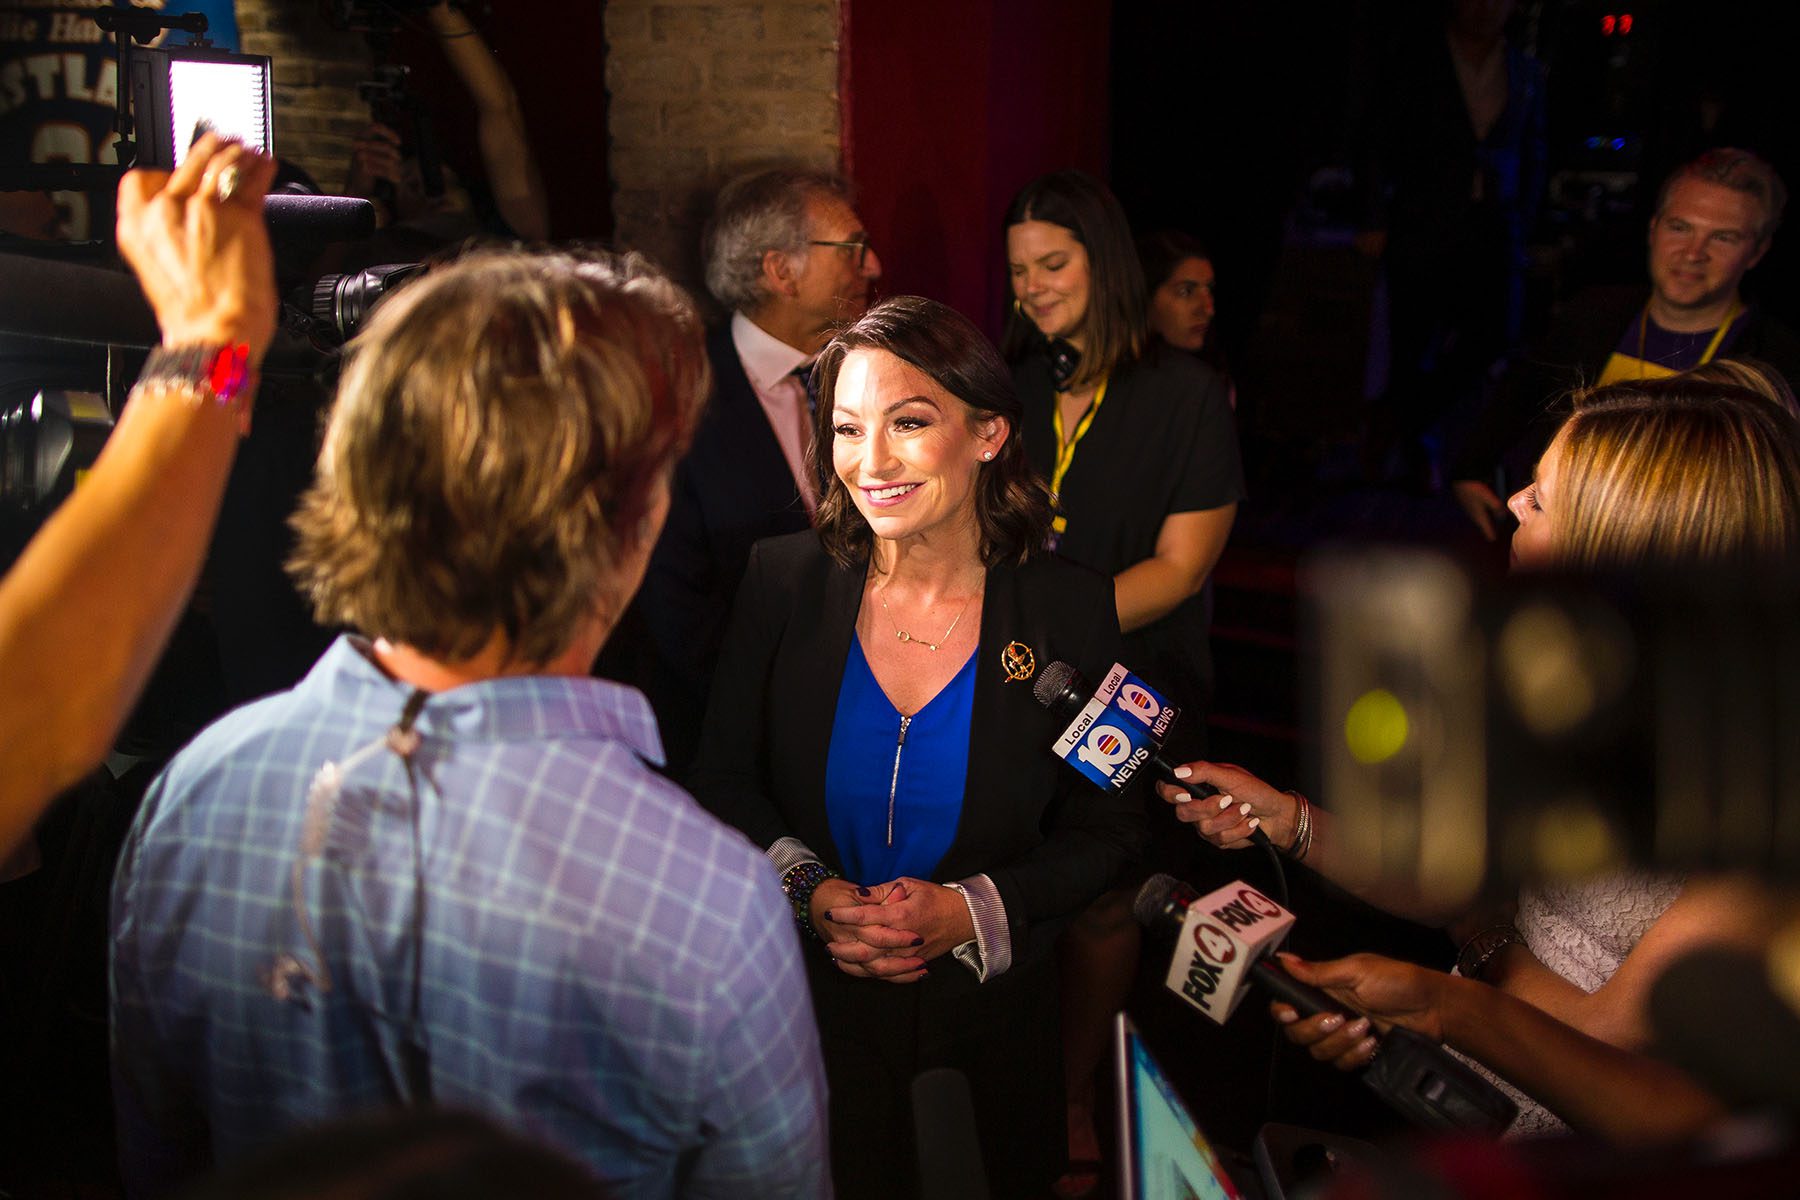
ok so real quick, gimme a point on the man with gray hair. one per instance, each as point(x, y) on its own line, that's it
point(787, 254)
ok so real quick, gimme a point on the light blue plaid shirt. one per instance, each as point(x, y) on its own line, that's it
point(603, 964)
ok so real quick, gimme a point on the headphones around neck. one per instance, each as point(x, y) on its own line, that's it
point(1064, 359)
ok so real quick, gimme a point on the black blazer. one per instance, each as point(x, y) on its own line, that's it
point(1049, 840)
point(732, 489)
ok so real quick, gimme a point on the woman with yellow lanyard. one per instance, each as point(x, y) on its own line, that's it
point(1138, 445)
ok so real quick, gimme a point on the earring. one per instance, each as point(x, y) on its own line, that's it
point(987, 456)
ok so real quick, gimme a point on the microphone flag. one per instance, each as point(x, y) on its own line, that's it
point(1222, 936)
point(1118, 730)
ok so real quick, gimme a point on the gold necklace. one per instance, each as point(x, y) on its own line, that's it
point(907, 637)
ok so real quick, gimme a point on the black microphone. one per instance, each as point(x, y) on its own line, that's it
point(316, 220)
point(1231, 934)
point(950, 1166)
point(1060, 688)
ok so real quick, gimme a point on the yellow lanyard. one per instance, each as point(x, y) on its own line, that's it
point(1712, 347)
point(1065, 450)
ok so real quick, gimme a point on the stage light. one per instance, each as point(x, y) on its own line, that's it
point(179, 93)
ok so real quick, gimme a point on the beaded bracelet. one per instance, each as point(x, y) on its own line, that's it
point(1479, 952)
point(800, 881)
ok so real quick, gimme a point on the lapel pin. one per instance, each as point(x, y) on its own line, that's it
point(1018, 662)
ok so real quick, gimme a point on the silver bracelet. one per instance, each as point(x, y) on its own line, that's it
point(1301, 846)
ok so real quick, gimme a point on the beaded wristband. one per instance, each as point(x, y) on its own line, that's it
point(800, 881)
point(1478, 952)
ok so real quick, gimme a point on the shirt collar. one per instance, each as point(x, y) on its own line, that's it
point(766, 358)
point(512, 708)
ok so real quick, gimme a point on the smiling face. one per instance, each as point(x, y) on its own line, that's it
point(1701, 244)
point(1535, 506)
point(1050, 278)
point(907, 450)
point(1181, 310)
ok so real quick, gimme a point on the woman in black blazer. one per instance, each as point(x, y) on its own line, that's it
point(872, 726)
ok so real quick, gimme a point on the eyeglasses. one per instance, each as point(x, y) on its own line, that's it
point(858, 246)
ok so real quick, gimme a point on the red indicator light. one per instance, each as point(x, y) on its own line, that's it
point(1624, 24)
point(1608, 23)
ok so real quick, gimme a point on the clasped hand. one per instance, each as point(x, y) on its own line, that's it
point(889, 930)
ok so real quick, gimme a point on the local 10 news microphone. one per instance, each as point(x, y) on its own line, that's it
point(1225, 940)
point(1115, 730)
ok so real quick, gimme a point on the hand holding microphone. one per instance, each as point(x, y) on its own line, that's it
point(1243, 805)
point(1116, 731)
point(1227, 940)
point(1387, 992)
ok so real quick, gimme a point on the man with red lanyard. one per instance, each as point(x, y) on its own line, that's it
point(1714, 221)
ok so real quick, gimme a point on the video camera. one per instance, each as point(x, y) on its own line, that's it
point(390, 95)
point(74, 326)
point(1552, 726)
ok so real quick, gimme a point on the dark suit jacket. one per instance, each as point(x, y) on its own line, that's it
point(731, 490)
point(1049, 840)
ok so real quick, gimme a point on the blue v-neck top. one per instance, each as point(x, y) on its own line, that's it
point(926, 773)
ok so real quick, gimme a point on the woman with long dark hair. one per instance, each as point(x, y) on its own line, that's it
point(1139, 447)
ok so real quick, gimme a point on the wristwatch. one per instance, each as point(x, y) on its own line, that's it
point(1480, 950)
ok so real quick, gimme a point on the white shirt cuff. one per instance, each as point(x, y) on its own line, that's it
point(989, 953)
point(788, 853)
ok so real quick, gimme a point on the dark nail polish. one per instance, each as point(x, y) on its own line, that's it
point(827, 915)
point(862, 891)
point(918, 941)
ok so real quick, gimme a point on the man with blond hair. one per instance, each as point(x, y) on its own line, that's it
point(1715, 219)
point(441, 869)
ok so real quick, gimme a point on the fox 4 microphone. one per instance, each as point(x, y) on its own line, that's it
point(1225, 940)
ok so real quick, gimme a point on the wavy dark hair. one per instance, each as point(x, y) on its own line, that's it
point(1012, 505)
point(1161, 252)
point(1117, 324)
